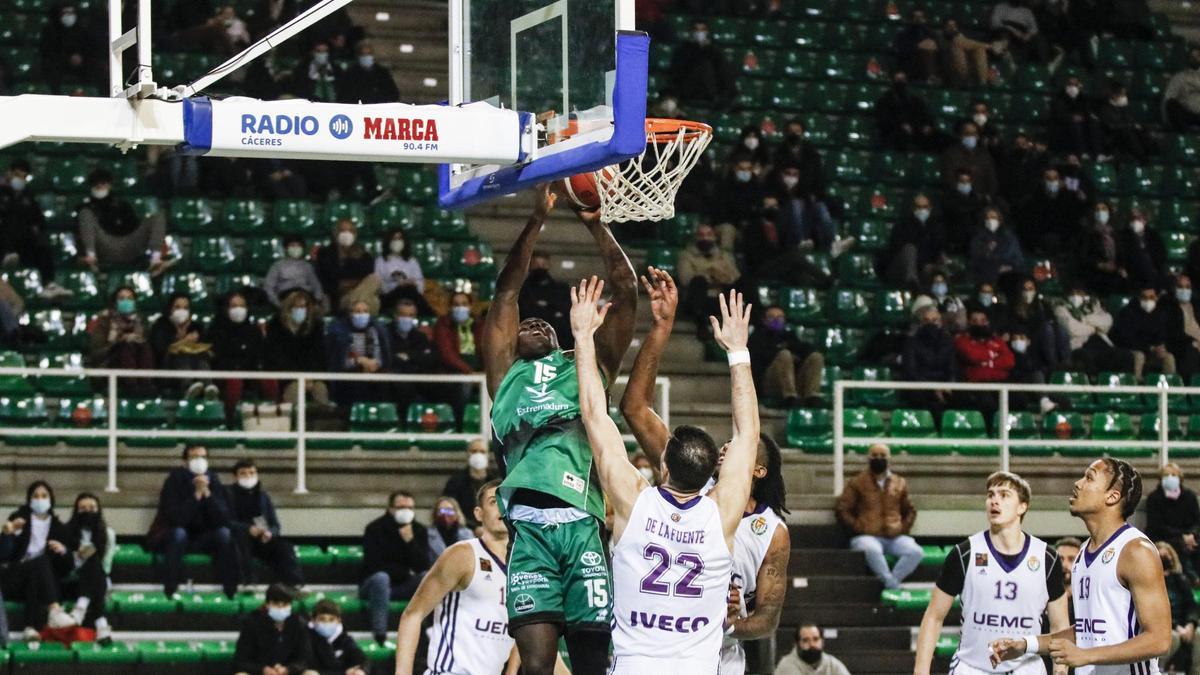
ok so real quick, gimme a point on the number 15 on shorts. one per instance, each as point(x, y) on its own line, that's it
point(597, 592)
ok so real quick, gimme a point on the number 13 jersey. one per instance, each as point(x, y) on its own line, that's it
point(671, 573)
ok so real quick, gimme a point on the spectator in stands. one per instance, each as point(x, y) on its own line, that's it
point(951, 308)
point(179, 344)
point(1088, 324)
point(357, 342)
point(1183, 330)
point(399, 273)
point(796, 151)
point(962, 209)
point(294, 271)
point(34, 555)
point(395, 558)
point(366, 81)
point(1179, 657)
point(1074, 126)
point(804, 216)
point(1124, 136)
point(645, 467)
point(916, 47)
point(464, 483)
point(92, 544)
point(273, 639)
point(256, 526)
point(786, 368)
point(739, 197)
point(1067, 549)
point(751, 146)
point(1142, 327)
point(1142, 252)
point(334, 650)
point(1100, 262)
point(315, 77)
point(928, 356)
point(1014, 25)
point(1173, 516)
point(1181, 100)
point(69, 53)
point(967, 59)
point(705, 271)
point(916, 246)
point(1030, 314)
point(23, 240)
point(989, 131)
point(449, 526)
point(346, 270)
point(770, 257)
point(1050, 218)
point(1076, 181)
point(295, 342)
point(112, 235)
point(903, 119)
point(546, 298)
point(700, 74)
point(412, 352)
point(1020, 166)
point(117, 338)
point(877, 512)
point(967, 154)
point(995, 252)
point(238, 344)
point(194, 516)
point(457, 336)
point(983, 357)
point(808, 656)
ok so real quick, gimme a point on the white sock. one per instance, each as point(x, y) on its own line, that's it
point(81, 606)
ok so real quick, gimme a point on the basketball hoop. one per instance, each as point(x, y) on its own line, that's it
point(643, 188)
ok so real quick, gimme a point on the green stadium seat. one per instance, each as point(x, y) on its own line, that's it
point(190, 215)
point(444, 224)
point(143, 415)
point(1148, 427)
point(1122, 402)
point(1176, 403)
point(175, 652)
point(946, 645)
point(382, 653)
point(26, 282)
point(193, 284)
point(852, 166)
point(244, 216)
point(421, 188)
point(217, 652)
point(891, 308)
point(68, 174)
point(1182, 181)
point(430, 418)
point(1060, 425)
point(25, 412)
point(799, 65)
point(1021, 425)
point(96, 657)
point(1082, 402)
point(83, 413)
point(803, 305)
point(472, 260)
point(259, 253)
point(209, 602)
point(349, 602)
point(893, 168)
point(1184, 148)
point(908, 423)
point(213, 254)
point(391, 214)
point(351, 554)
point(32, 656)
point(829, 374)
point(61, 333)
point(862, 423)
point(841, 345)
point(23, 61)
point(810, 429)
point(132, 555)
point(336, 211)
point(204, 416)
point(311, 555)
point(727, 30)
point(145, 206)
point(850, 308)
point(63, 247)
point(14, 385)
point(858, 132)
point(965, 424)
point(874, 398)
point(1140, 180)
point(1116, 54)
point(1112, 426)
point(872, 235)
point(55, 210)
point(296, 216)
point(663, 258)
point(63, 386)
point(857, 270)
point(823, 130)
point(224, 284)
point(143, 602)
point(1177, 245)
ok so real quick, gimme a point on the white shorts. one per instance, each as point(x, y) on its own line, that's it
point(733, 659)
point(646, 665)
point(1031, 668)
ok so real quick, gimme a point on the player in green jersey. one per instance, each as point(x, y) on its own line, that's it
point(558, 577)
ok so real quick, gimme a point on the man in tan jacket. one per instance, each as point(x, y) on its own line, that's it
point(875, 507)
point(705, 271)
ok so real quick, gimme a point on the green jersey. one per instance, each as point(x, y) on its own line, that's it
point(535, 416)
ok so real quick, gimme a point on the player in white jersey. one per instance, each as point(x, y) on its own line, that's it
point(1006, 579)
point(465, 591)
point(672, 546)
point(762, 545)
point(1122, 615)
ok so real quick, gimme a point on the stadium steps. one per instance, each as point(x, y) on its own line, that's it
point(419, 25)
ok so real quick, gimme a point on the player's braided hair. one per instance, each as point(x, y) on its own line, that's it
point(1127, 481)
point(770, 489)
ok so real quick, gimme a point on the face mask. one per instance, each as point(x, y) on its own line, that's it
point(279, 614)
point(237, 314)
point(776, 324)
point(345, 239)
point(180, 316)
point(969, 142)
point(247, 483)
point(17, 184)
point(360, 320)
point(790, 182)
point(1076, 301)
point(477, 461)
point(878, 464)
point(986, 299)
point(700, 36)
point(1148, 305)
point(979, 332)
point(366, 61)
point(126, 306)
point(1170, 483)
point(921, 214)
point(396, 246)
point(1183, 294)
point(1029, 296)
point(706, 245)
point(405, 324)
point(992, 224)
point(295, 252)
point(751, 142)
point(88, 520)
point(68, 20)
point(963, 188)
point(100, 193)
point(1138, 226)
point(1019, 346)
point(1102, 217)
point(810, 656)
point(1052, 187)
point(198, 465)
point(743, 176)
point(325, 629)
point(299, 314)
point(403, 516)
point(647, 473)
point(940, 289)
point(979, 119)
point(40, 505)
point(1072, 90)
point(460, 313)
point(321, 58)
point(1121, 101)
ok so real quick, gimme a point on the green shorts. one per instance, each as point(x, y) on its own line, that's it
point(558, 573)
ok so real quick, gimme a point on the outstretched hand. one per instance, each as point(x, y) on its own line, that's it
point(589, 217)
point(545, 201)
point(733, 331)
point(664, 296)
point(586, 317)
point(1006, 650)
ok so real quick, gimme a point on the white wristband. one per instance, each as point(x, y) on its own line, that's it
point(729, 628)
point(1031, 644)
point(737, 357)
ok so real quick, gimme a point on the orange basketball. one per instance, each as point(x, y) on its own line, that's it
point(581, 190)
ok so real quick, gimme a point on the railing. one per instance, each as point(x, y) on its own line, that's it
point(300, 434)
point(1163, 443)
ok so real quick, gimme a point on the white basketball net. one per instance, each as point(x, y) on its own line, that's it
point(644, 188)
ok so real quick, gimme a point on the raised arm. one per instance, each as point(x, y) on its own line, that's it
point(637, 404)
point(620, 480)
point(500, 326)
point(613, 338)
point(771, 589)
point(452, 572)
point(733, 489)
